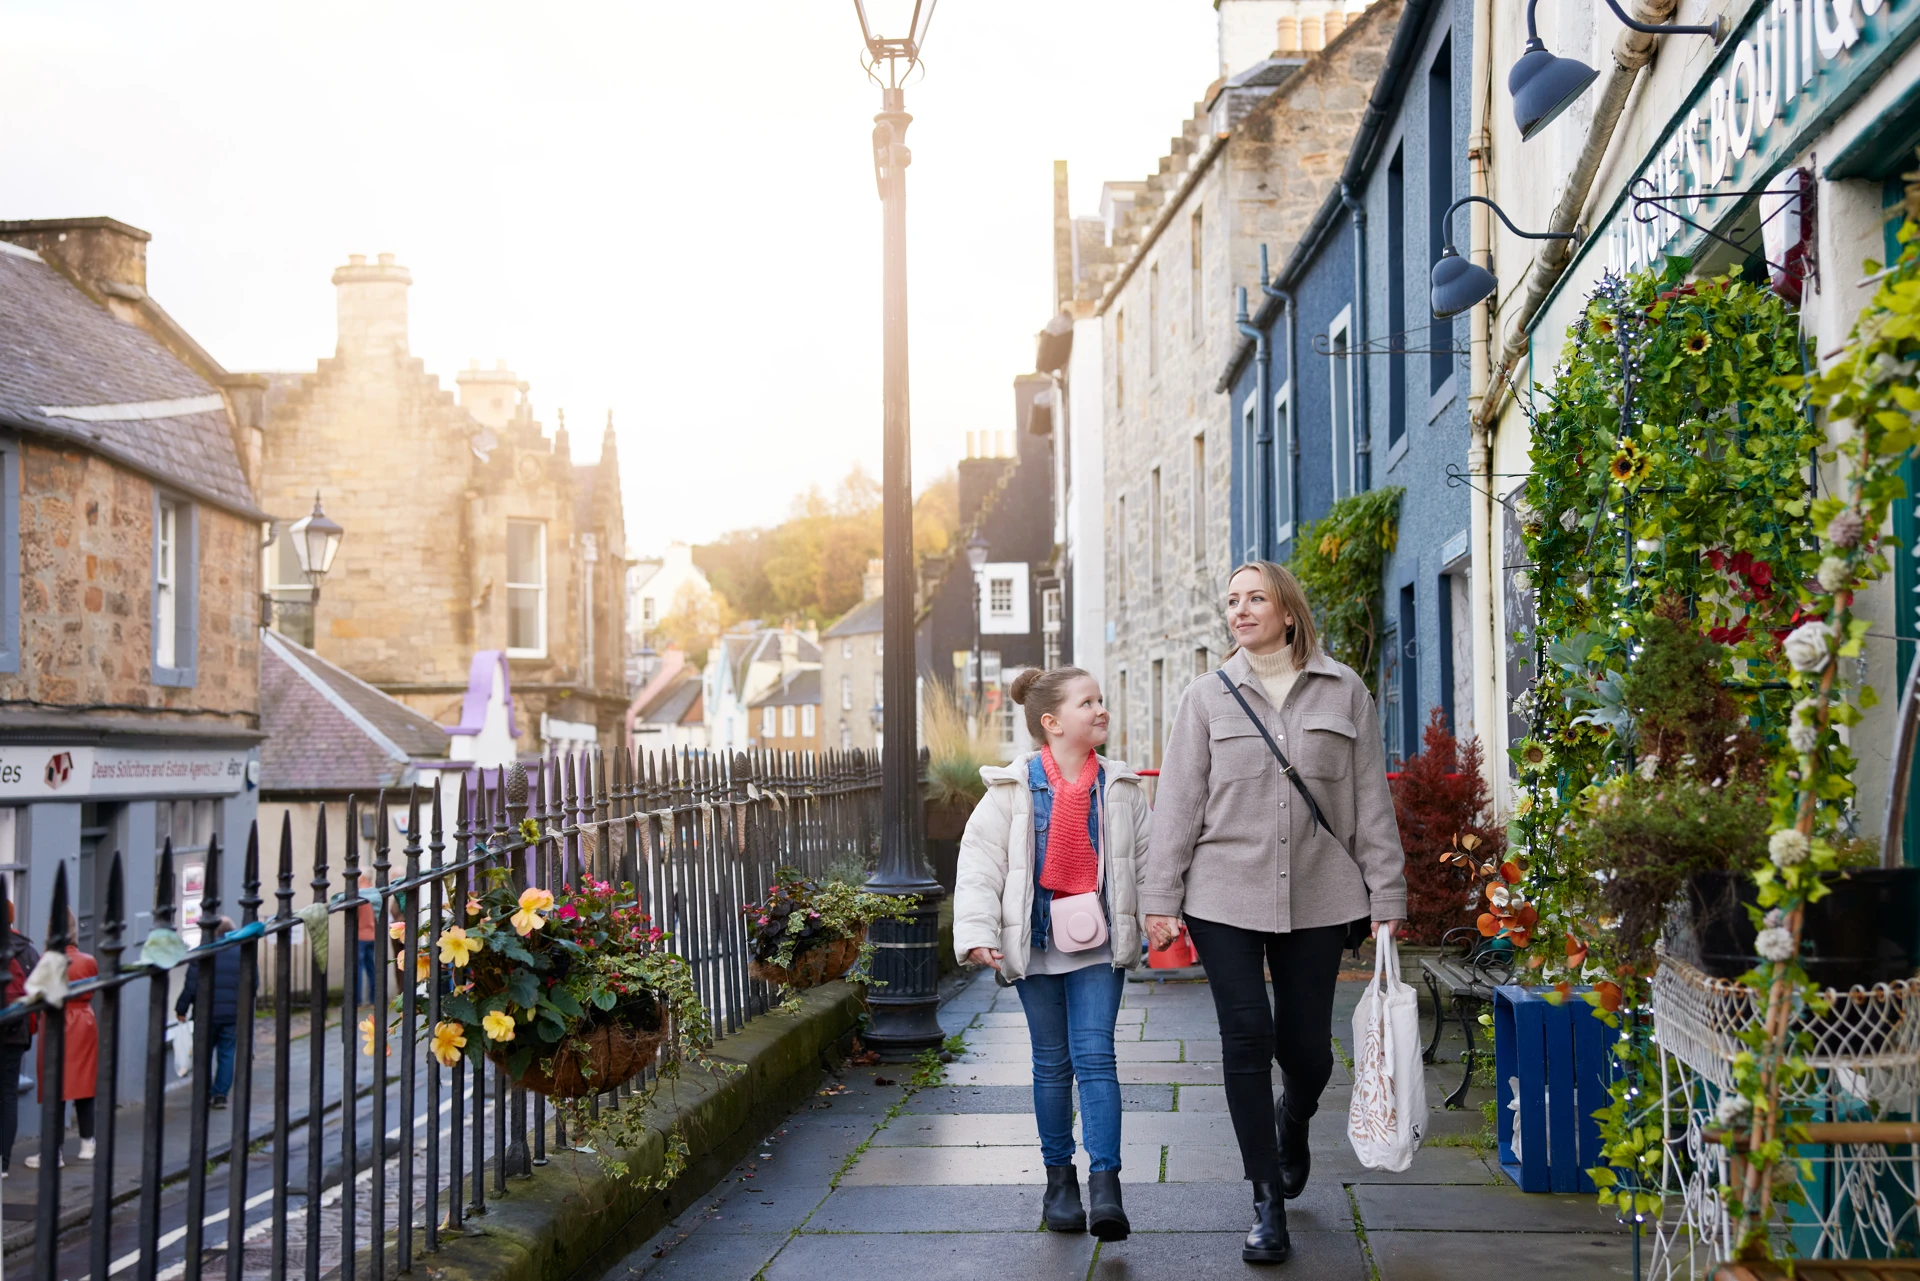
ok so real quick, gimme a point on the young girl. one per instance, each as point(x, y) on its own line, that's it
point(1057, 822)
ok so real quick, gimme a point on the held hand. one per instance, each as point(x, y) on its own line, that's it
point(1390, 929)
point(1163, 930)
point(990, 956)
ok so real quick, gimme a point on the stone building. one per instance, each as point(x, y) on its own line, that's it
point(787, 717)
point(469, 527)
point(742, 668)
point(851, 653)
point(1251, 167)
point(129, 609)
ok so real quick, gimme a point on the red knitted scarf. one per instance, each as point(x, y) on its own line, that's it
point(1072, 866)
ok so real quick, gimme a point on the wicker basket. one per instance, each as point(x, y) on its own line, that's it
point(821, 963)
point(617, 1050)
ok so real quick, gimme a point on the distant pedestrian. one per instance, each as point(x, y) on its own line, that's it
point(1271, 865)
point(15, 1038)
point(81, 1051)
point(367, 956)
point(1057, 825)
point(224, 1013)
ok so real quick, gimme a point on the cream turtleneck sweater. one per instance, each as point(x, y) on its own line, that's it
point(1276, 672)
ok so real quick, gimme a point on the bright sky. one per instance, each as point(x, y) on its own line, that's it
point(663, 209)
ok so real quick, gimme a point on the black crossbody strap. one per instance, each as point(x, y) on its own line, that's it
point(1286, 766)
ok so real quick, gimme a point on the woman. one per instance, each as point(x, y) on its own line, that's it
point(1056, 822)
point(1268, 869)
point(81, 1051)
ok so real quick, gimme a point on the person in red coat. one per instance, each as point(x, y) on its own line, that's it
point(82, 1050)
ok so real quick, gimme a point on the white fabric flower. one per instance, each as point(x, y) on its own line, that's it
point(1647, 767)
point(1774, 945)
point(1734, 1109)
point(1787, 847)
point(1568, 519)
point(1832, 574)
point(1845, 528)
point(1806, 709)
point(1648, 544)
point(1806, 646)
point(1803, 736)
point(1522, 582)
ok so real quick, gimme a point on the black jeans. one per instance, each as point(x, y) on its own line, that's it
point(10, 1056)
point(1294, 1028)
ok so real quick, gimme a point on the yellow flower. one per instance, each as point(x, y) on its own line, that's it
point(422, 966)
point(1697, 343)
point(368, 1036)
point(474, 906)
point(448, 1040)
point(1624, 463)
point(457, 947)
point(532, 904)
point(397, 931)
point(499, 1026)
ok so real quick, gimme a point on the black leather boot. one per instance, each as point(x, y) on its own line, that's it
point(1268, 1241)
point(1106, 1217)
point(1060, 1208)
point(1296, 1161)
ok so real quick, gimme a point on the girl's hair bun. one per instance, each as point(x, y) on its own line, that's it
point(1023, 684)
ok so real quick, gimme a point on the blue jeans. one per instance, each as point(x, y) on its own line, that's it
point(1070, 1018)
point(223, 1037)
point(367, 961)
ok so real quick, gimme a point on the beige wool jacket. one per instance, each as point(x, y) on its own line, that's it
point(993, 889)
point(1233, 841)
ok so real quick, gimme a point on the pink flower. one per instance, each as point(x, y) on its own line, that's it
point(568, 912)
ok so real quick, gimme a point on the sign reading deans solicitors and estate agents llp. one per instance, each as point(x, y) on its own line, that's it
point(1789, 69)
point(74, 773)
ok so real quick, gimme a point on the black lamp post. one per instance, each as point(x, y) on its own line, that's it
point(977, 549)
point(315, 540)
point(1544, 84)
point(904, 1009)
point(1459, 284)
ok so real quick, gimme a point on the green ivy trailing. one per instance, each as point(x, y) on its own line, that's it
point(1339, 560)
point(1668, 497)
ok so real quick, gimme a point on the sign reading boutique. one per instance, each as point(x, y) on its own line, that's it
point(62, 773)
point(1789, 69)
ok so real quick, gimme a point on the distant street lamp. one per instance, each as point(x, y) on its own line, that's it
point(905, 1010)
point(977, 550)
point(315, 540)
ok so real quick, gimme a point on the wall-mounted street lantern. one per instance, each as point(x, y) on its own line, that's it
point(315, 540)
point(1544, 84)
point(1459, 284)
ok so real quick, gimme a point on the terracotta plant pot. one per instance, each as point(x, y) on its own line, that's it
point(948, 822)
point(617, 1049)
point(821, 963)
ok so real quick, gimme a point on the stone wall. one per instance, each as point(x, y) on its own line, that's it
point(86, 594)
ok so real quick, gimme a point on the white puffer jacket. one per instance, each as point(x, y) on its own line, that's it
point(993, 894)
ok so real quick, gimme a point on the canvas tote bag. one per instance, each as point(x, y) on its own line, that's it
point(1388, 1115)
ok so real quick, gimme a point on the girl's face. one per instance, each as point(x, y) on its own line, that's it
point(1254, 617)
point(1080, 721)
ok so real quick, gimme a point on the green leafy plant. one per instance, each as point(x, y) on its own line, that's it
point(1338, 560)
point(798, 915)
point(955, 753)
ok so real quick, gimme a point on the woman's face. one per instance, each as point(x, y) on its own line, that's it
point(1081, 719)
point(1254, 617)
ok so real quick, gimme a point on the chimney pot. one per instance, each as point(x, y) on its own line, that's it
point(386, 260)
point(356, 260)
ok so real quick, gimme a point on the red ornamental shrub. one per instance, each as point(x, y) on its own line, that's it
point(1441, 795)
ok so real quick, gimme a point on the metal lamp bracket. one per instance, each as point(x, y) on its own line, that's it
point(1806, 269)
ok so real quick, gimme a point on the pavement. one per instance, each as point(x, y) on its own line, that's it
point(879, 1179)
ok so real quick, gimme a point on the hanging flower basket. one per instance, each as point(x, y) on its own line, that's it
point(822, 963)
point(599, 1055)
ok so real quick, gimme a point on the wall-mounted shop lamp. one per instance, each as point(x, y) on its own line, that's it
point(1459, 284)
point(1543, 84)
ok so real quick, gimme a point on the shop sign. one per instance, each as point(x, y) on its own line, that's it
point(1789, 69)
point(59, 773)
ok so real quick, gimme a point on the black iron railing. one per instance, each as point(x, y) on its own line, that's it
point(695, 834)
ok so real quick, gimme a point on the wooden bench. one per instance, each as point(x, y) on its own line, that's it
point(1468, 980)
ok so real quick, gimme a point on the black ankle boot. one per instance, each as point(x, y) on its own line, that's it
point(1296, 1161)
point(1107, 1218)
point(1268, 1241)
point(1060, 1208)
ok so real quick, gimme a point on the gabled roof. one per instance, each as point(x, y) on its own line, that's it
point(677, 703)
point(763, 646)
point(868, 616)
point(71, 370)
point(797, 688)
point(328, 731)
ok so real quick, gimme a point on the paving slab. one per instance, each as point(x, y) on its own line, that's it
point(1496, 1207)
point(1449, 1256)
point(1215, 1256)
point(708, 1256)
point(911, 1209)
point(1019, 1098)
point(949, 1256)
point(1139, 1163)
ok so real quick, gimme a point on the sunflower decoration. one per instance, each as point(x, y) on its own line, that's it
point(1629, 465)
point(1534, 756)
point(1697, 343)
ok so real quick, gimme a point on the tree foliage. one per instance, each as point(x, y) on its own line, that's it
point(1338, 560)
point(1440, 797)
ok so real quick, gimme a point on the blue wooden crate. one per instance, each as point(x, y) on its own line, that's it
point(1560, 1056)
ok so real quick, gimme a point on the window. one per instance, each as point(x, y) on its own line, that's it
point(1000, 597)
point(1051, 622)
point(1153, 320)
point(1119, 712)
point(879, 644)
point(846, 647)
point(1410, 717)
point(1198, 502)
point(1120, 547)
point(1250, 481)
point(526, 589)
point(13, 868)
point(174, 592)
point(846, 737)
point(1159, 695)
point(1202, 660)
point(189, 825)
point(768, 722)
point(786, 721)
point(807, 725)
point(1440, 191)
point(647, 611)
point(286, 586)
point(1196, 291)
point(1119, 359)
point(1339, 374)
point(1397, 297)
point(1390, 721)
point(846, 693)
point(1284, 446)
point(9, 557)
point(1154, 523)
point(879, 690)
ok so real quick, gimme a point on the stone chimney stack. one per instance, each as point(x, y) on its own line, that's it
point(372, 307)
point(490, 395)
point(789, 649)
point(94, 251)
point(874, 581)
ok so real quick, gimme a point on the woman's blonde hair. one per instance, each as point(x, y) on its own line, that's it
point(1292, 599)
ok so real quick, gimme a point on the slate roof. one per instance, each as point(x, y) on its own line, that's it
point(59, 349)
point(798, 688)
point(677, 703)
point(331, 732)
point(762, 646)
point(867, 616)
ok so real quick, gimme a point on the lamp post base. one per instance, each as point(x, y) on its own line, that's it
point(905, 1010)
